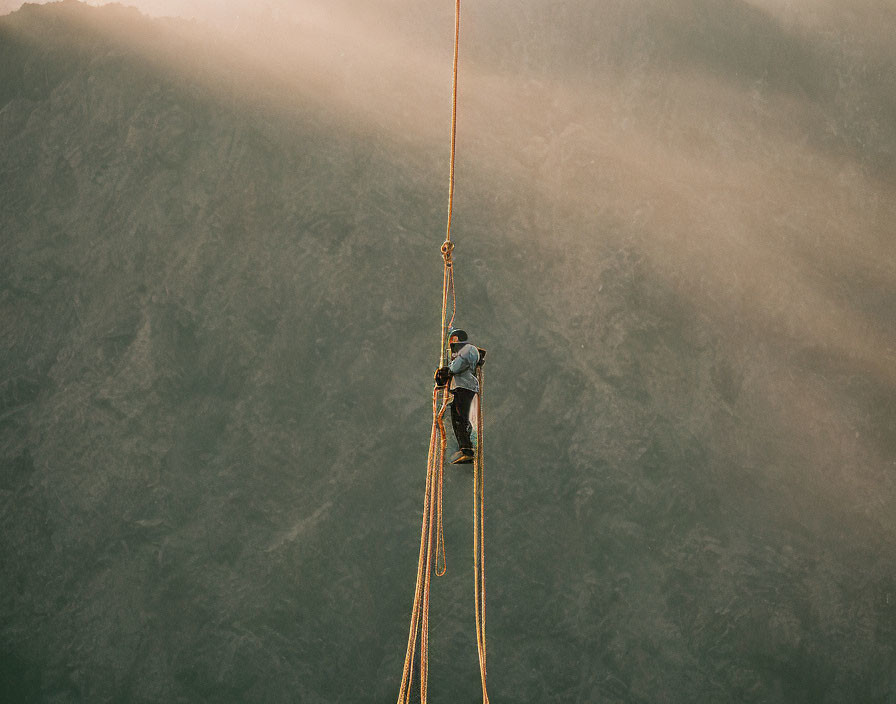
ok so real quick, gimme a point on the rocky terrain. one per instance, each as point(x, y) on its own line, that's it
point(219, 305)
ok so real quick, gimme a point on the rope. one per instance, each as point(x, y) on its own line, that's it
point(424, 625)
point(441, 568)
point(432, 498)
point(448, 246)
point(420, 608)
point(453, 296)
point(447, 285)
point(415, 610)
point(479, 537)
point(453, 118)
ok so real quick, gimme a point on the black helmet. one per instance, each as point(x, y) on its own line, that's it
point(456, 335)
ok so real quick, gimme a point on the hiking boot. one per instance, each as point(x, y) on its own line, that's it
point(462, 457)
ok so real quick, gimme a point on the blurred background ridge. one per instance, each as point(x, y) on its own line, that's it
point(219, 305)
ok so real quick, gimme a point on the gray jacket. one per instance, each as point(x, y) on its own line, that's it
point(463, 368)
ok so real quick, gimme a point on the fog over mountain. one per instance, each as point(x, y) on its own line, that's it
point(219, 306)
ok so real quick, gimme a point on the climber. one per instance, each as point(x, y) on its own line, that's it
point(461, 373)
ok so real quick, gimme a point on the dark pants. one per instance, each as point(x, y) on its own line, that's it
point(460, 418)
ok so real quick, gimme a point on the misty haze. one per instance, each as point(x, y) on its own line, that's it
point(220, 287)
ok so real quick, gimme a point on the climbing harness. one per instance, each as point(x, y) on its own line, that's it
point(432, 546)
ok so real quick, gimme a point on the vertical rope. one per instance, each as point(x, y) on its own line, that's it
point(435, 473)
point(453, 118)
point(479, 537)
point(447, 275)
point(447, 246)
point(427, 575)
point(453, 297)
point(407, 674)
point(420, 608)
point(432, 499)
point(441, 568)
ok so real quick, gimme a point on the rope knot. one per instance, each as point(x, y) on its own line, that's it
point(447, 248)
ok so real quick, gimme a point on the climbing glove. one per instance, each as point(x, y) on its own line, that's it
point(442, 375)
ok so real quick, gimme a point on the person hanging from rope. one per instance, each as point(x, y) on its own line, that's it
point(460, 375)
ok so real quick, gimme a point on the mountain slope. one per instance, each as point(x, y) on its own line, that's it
point(219, 308)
